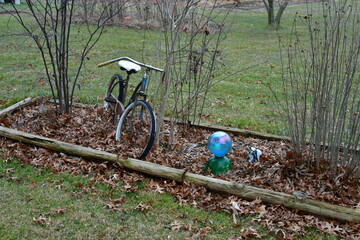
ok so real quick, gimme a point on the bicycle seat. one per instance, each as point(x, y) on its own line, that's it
point(129, 67)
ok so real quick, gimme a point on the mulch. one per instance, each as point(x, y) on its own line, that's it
point(278, 169)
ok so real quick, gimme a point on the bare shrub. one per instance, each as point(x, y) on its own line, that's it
point(192, 35)
point(321, 79)
point(50, 26)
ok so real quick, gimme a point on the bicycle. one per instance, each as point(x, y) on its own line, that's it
point(137, 121)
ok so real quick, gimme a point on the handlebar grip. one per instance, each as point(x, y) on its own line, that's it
point(106, 63)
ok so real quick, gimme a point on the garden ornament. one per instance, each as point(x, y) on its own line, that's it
point(219, 143)
point(254, 155)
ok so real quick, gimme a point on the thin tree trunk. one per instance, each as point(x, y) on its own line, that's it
point(164, 96)
point(280, 12)
point(270, 11)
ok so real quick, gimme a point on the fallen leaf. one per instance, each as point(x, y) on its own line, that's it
point(117, 200)
point(176, 225)
point(159, 189)
point(250, 233)
point(235, 205)
point(32, 185)
point(143, 207)
point(42, 220)
point(59, 211)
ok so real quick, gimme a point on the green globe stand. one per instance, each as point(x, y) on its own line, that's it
point(218, 165)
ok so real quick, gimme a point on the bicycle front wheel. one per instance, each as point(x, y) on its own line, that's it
point(136, 129)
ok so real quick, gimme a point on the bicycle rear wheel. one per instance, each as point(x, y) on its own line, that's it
point(114, 97)
point(115, 94)
point(136, 128)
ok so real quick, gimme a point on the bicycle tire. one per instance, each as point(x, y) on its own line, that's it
point(136, 128)
point(114, 96)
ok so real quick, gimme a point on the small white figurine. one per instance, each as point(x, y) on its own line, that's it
point(254, 155)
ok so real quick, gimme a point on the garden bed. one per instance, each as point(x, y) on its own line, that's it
point(278, 169)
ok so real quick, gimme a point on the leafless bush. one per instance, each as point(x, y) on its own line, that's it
point(192, 55)
point(321, 79)
point(50, 28)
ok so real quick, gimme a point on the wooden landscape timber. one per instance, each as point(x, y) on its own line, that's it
point(245, 133)
point(242, 132)
point(26, 102)
point(180, 175)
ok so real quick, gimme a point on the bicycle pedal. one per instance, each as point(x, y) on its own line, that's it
point(142, 94)
point(110, 100)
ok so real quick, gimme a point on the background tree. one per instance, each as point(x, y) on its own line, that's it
point(272, 19)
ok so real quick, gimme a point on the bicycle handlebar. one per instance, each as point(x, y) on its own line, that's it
point(131, 60)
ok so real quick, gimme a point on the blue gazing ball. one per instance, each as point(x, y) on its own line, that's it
point(219, 143)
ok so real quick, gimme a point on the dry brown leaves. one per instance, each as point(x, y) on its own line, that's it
point(278, 170)
point(42, 220)
point(143, 207)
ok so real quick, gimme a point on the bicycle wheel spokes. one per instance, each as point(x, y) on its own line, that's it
point(136, 129)
point(138, 122)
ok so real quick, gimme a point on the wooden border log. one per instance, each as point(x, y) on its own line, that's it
point(242, 132)
point(10, 109)
point(270, 196)
point(246, 133)
point(248, 192)
point(93, 154)
point(266, 136)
